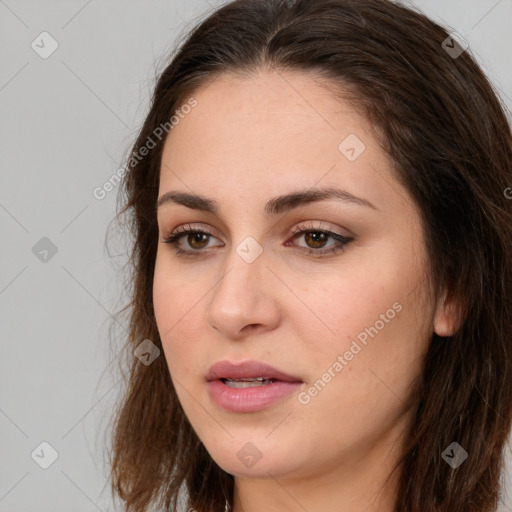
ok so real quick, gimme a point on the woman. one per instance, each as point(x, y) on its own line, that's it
point(321, 303)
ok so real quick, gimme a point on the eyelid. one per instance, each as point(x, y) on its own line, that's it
point(184, 228)
point(298, 228)
point(323, 226)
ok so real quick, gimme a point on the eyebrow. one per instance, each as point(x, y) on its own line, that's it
point(273, 206)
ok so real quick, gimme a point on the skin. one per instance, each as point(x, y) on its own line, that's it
point(247, 140)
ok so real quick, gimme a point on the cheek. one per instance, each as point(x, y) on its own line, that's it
point(164, 301)
point(368, 388)
point(178, 303)
point(169, 302)
point(174, 295)
point(338, 304)
point(373, 312)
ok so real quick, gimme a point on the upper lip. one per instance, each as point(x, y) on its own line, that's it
point(247, 370)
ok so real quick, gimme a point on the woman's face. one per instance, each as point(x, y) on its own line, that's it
point(348, 321)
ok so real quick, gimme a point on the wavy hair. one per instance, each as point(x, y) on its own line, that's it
point(441, 121)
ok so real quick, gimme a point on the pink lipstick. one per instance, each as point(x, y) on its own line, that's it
point(250, 386)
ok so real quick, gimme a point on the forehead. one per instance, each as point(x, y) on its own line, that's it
point(252, 138)
point(268, 122)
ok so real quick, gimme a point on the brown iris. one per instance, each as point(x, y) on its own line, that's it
point(317, 238)
point(199, 238)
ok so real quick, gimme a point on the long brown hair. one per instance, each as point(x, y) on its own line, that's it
point(441, 122)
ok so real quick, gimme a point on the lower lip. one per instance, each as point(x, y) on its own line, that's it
point(249, 399)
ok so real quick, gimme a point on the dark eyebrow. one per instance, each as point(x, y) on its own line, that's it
point(274, 206)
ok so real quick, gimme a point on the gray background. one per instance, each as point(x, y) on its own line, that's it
point(66, 122)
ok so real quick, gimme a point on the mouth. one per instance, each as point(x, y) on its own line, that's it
point(250, 386)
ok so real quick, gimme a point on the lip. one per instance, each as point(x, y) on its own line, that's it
point(247, 370)
point(251, 399)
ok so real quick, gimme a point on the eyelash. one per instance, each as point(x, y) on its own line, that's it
point(342, 240)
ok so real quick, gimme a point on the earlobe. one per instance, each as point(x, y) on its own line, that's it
point(447, 317)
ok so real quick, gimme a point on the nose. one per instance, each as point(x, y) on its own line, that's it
point(244, 299)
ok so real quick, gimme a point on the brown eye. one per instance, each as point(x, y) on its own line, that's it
point(195, 239)
point(316, 238)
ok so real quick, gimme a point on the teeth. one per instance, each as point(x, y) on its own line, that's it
point(247, 383)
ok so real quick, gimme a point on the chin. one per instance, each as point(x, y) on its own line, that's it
point(260, 470)
point(244, 459)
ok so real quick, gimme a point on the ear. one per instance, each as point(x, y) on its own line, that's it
point(447, 317)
